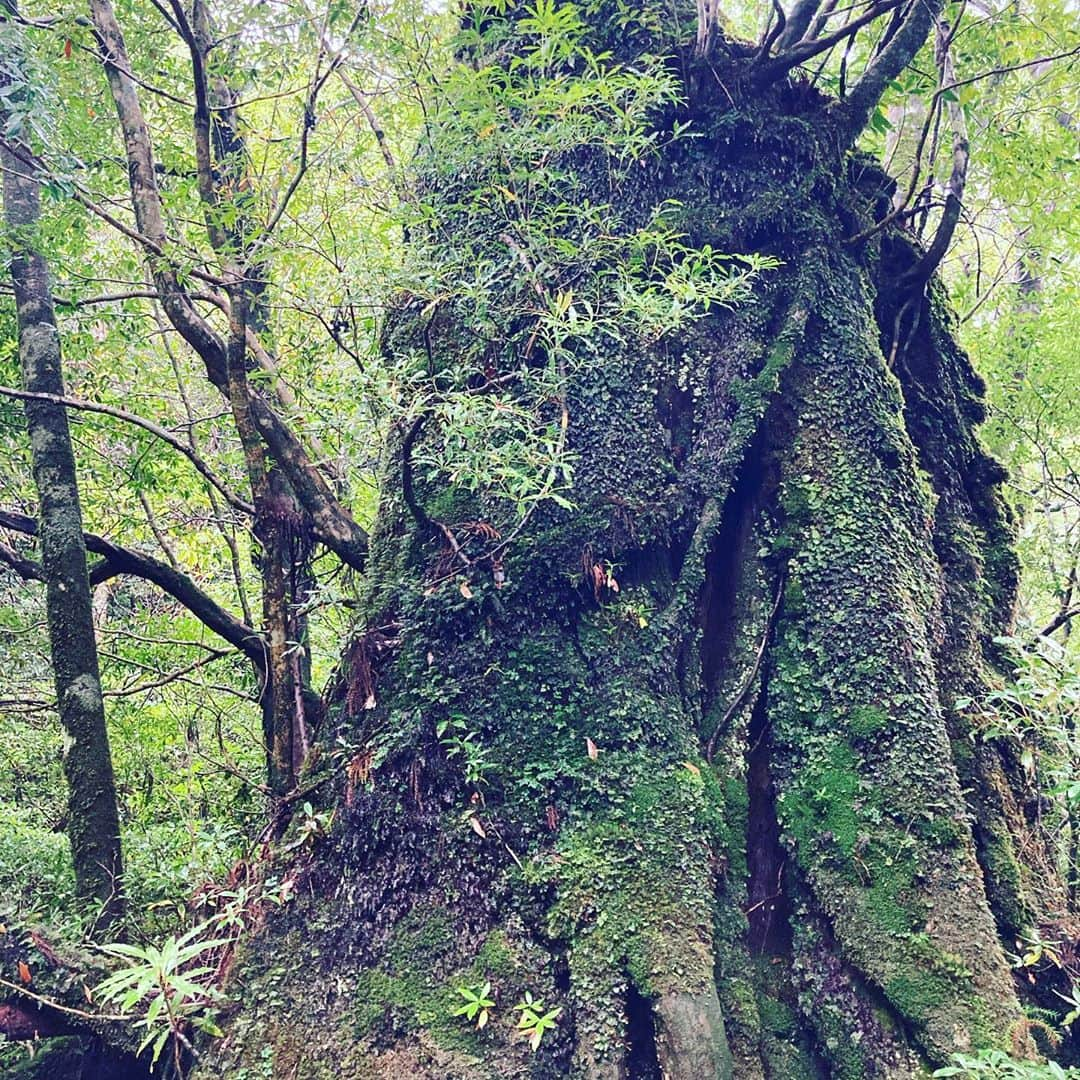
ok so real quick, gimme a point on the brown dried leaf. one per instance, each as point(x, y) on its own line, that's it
point(590, 746)
point(477, 828)
point(465, 590)
point(24, 973)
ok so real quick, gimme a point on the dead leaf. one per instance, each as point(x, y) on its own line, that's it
point(24, 973)
point(692, 767)
point(465, 590)
point(477, 827)
point(590, 746)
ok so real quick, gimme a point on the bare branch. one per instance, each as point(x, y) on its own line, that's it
point(26, 568)
point(920, 273)
point(855, 110)
point(770, 70)
point(798, 23)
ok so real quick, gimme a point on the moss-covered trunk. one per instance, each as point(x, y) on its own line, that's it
point(93, 822)
point(712, 801)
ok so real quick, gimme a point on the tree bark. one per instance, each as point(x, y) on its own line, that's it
point(726, 818)
point(93, 819)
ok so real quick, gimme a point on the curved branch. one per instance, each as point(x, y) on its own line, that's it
point(26, 568)
point(798, 23)
point(855, 110)
point(920, 273)
point(156, 430)
point(770, 70)
point(775, 31)
point(122, 560)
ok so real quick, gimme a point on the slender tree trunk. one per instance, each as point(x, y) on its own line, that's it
point(93, 820)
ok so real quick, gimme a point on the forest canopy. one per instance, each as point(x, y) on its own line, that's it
point(555, 524)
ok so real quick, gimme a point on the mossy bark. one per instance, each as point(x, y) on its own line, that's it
point(93, 823)
point(726, 817)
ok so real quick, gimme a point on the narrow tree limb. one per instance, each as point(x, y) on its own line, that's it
point(820, 20)
point(774, 32)
point(156, 430)
point(855, 110)
point(122, 560)
point(920, 273)
point(1059, 620)
point(798, 23)
point(769, 70)
point(27, 569)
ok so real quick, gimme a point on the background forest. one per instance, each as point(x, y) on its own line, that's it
point(330, 105)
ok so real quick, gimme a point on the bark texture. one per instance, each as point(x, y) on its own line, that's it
point(730, 821)
point(93, 820)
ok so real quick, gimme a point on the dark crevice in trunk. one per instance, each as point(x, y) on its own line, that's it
point(641, 1060)
point(720, 615)
point(768, 907)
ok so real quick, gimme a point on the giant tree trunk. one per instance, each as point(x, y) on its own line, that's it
point(731, 821)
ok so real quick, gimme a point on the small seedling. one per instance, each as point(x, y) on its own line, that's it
point(534, 1021)
point(478, 1004)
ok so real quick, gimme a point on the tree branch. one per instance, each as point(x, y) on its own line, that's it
point(770, 70)
point(156, 430)
point(855, 110)
point(27, 569)
point(1059, 620)
point(920, 273)
point(333, 524)
point(122, 560)
point(798, 23)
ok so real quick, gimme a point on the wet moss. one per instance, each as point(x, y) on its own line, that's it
point(633, 897)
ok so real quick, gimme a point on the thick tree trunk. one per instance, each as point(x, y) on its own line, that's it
point(93, 821)
point(727, 817)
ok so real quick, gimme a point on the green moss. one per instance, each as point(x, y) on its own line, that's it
point(1005, 885)
point(864, 722)
point(634, 889)
point(919, 995)
point(823, 809)
point(496, 956)
point(777, 1018)
point(415, 986)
